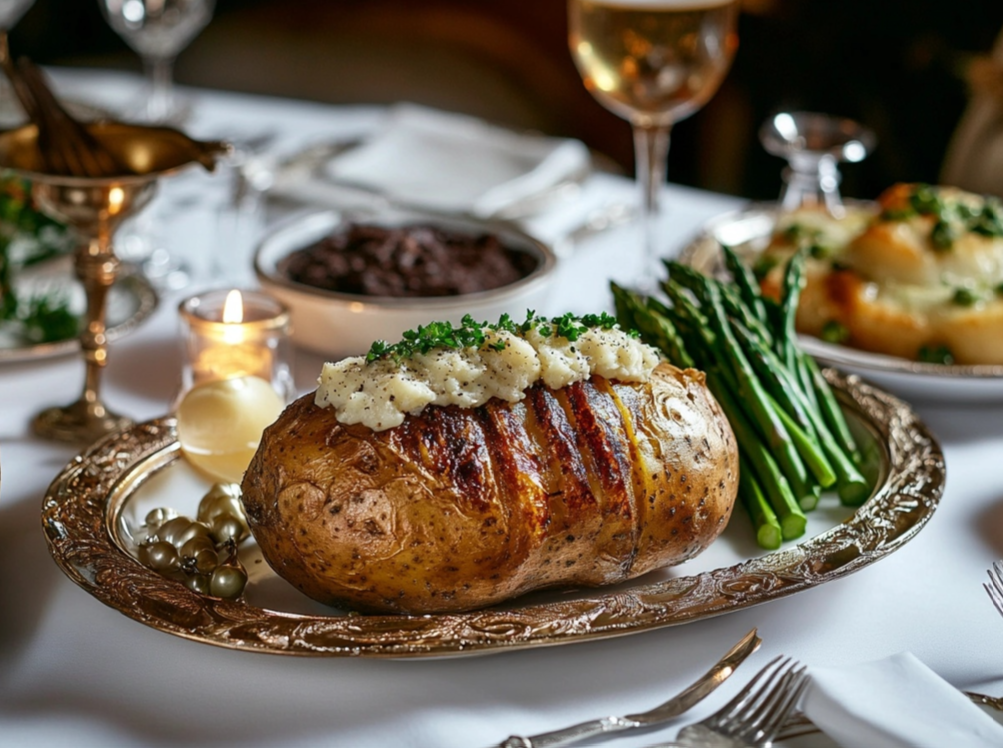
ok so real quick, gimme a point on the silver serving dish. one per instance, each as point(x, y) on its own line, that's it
point(94, 508)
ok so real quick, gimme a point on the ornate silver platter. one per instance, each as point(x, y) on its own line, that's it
point(748, 231)
point(96, 502)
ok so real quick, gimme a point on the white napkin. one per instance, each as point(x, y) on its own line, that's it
point(425, 158)
point(897, 702)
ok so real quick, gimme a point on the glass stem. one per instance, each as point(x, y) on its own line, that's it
point(160, 73)
point(651, 153)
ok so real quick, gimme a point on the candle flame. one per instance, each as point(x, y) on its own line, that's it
point(233, 308)
point(233, 316)
point(116, 196)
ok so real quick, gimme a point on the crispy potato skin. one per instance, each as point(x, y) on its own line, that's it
point(458, 509)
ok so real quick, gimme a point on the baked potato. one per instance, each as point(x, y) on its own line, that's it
point(461, 508)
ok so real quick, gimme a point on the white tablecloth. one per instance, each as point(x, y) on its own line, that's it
point(76, 673)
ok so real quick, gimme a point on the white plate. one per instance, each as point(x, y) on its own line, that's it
point(130, 301)
point(749, 231)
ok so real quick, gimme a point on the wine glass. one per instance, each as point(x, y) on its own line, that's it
point(158, 30)
point(653, 63)
point(11, 12)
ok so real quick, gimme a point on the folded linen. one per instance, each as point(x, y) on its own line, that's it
point(425, 158)
point(896, 702)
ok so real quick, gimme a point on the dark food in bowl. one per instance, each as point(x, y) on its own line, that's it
point(407, 261)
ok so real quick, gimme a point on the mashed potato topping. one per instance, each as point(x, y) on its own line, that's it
point(378, 391)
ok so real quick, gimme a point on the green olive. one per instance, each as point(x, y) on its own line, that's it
point(160, 556)
point(198, 583)
point(228, 527)
point(228, 582)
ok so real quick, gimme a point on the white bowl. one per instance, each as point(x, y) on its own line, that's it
point(342, 324)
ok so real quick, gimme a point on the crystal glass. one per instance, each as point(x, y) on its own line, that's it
point(653, 63)
point(11, 12)
point(158, 30)
point(814, 144)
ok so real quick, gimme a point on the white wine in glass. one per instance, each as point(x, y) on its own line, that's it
point(652, 62)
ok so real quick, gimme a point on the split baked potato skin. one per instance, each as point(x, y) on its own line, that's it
point(459, 508)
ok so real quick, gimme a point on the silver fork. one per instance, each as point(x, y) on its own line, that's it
point(995, 585)
point(755, 716)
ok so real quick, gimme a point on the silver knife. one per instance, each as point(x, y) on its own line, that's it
point(672, 708)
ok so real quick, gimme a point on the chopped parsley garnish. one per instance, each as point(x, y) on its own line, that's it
point(473, 334)
point(954, 217)
point(935, 354)
point(834, 332)
point(28, 237)
point(49, 319)
point(964, 296)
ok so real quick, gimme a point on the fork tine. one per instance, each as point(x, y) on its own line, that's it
point(748, 692)
point(756, 714)
point(792, 687)
point(774, 693)
point(770, 705)
point(995, 586)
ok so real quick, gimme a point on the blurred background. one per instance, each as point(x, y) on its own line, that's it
point(902, 67)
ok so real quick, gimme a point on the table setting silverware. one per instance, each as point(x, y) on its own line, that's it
point(662, 713)
point(754, 718)
point(994, 587)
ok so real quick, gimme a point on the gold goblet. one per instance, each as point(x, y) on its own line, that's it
point(94, 207)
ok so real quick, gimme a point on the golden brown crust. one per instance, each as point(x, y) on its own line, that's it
point(462, 508)
point(892, 290)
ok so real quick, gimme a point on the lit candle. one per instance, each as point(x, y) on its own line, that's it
point(233, 335)
point(235, 379)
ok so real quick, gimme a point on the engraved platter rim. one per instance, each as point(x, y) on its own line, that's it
point(80, 509)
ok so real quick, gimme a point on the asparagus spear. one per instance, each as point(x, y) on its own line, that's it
point(786, 334)
point(830, 409)
point(788, 511)
point(746, 282)
point(655, 328)
point(764, 519)
point(778, 380)
point(754, 399)
point(813, 455)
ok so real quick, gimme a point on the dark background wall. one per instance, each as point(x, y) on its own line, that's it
point(896, 65)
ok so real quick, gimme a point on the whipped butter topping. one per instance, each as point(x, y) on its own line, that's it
point(379, 393)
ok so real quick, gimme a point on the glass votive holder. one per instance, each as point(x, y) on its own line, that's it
point(235, 378)
point(235, 333)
